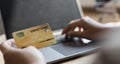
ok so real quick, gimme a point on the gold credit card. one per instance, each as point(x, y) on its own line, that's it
point(38, 36)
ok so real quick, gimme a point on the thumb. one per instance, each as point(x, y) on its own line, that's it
point(76, 34)
point(29, 48)
point(7, 45)
point(34, 51)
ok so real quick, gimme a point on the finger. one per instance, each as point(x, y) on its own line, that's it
point(9, 43)
point(7, 46)
point(34, 51)
point(70, 27)
point(76, 34)
point(81, 23)
point(29, 48)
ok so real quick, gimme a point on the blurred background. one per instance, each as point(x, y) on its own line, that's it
point(1, 26)
point(104, 11)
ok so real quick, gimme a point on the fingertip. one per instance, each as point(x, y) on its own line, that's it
point(62, 32)
point(12, 41)
point(30, 47)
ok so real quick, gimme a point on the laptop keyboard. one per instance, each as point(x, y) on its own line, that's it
point(60, 38)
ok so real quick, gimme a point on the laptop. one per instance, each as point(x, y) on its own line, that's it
point(21, 14)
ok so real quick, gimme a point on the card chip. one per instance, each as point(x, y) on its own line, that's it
point(46, 29)
point(20, 34)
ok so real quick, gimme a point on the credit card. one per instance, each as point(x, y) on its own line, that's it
point(38, 36)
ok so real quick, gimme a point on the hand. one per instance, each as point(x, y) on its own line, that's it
point(29, 55)
point(88, 28)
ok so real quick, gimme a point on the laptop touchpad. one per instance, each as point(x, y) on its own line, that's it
point(71, 47)
point(50, 54)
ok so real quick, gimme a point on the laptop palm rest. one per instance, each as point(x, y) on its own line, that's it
point(51, 54)
point(66, 48)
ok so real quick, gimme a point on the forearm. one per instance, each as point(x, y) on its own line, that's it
point(108, 30)
point(112, 26)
